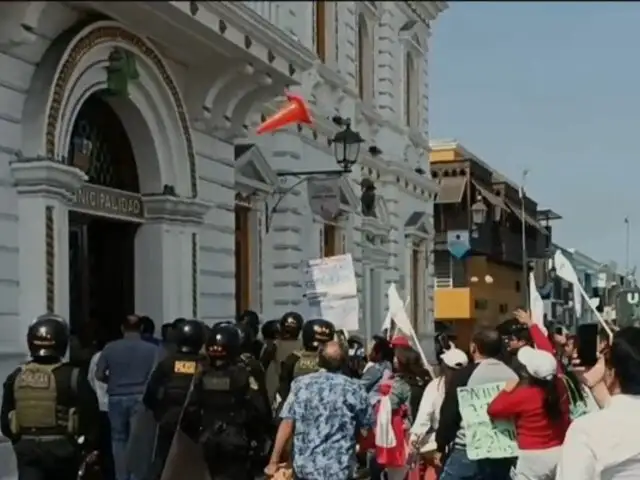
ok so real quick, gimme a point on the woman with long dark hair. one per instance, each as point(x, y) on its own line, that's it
point(538, 404)
point(427, 416)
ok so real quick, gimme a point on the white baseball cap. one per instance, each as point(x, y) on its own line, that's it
point(454, 358)
point(539, 364)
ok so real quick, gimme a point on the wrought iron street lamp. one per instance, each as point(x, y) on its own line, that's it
point(346, 147)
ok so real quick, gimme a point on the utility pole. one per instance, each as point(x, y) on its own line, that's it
point(523, 240)
point(627, 243)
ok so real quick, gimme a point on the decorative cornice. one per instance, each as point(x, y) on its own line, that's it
point(254, 24)
point(375, 226)
point(426, 183)
point(175, 209)
point(46, 177)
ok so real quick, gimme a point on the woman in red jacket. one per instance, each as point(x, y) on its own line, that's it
point(539, 407)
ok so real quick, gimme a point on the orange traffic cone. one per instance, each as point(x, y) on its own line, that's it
point(295, 111)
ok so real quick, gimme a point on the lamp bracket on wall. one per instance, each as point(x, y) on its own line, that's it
point(302, 177)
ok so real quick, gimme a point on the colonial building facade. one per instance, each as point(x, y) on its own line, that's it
point(131, 180)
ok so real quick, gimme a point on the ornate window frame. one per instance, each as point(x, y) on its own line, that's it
point(324, 23)
point(375, 262)
point(418, 237)
point(412, 81)
point(367, 16)
point(349, 203)
point(254, 180)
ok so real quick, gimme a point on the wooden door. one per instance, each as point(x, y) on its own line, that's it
point(111, 272)
point(78, 275)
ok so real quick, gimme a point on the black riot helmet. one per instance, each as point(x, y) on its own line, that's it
point(190, 336)
point(270, 330)
point(224, 342)
point(317, 332)
point(251, 319)
point(48, 337)
point(291, 325)
point(246, 337)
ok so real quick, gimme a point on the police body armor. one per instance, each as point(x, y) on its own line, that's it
point(284, 348)
point(307, 363)
point(226, 410)
point(37, 411)
point(183, 368)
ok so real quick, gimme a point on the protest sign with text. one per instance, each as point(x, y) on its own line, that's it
point(331, 291)
point(485, 438)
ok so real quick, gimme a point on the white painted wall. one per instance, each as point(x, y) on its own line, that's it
point(295, 233)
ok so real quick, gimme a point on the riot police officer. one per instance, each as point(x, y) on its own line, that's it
point(270, 332)
point(357, 357)
point(315, 333)
point(227, 404)
point(169, 386)
point(49, 410)
point(287, 343)
point(251, 321)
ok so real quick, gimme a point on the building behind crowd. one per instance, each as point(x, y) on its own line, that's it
point(480, 269)
point(600, 280)
point(131, 181)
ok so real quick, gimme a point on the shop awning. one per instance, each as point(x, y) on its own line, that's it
point(527, 218)
point(451, 190)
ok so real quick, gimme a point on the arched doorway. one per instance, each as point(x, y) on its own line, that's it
point(101, 238)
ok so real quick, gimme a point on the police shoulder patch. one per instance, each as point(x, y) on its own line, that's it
point(184, 367)
point(253, 385)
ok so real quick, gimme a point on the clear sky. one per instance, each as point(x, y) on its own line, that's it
point(555, 88)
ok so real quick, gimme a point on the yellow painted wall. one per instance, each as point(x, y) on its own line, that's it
point(501, 291)
point(453, 303)
point(451, 155)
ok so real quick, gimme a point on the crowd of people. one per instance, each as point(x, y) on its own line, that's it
point(310, 403)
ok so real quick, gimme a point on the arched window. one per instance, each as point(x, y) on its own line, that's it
point(321, 29)
point(362, 40)
point(365, 60)
point(409, 101)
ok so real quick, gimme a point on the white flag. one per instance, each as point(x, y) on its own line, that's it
point(388, 323)
point(565, 270)
point(536, 304)
point(401, 319)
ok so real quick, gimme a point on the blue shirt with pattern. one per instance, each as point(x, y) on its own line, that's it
point(328, 411)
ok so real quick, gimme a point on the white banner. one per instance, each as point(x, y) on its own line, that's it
point(331, 291)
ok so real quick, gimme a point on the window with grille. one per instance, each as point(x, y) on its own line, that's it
point(101, 148)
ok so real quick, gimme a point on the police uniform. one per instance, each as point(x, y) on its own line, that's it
point(227, 405)
point(290, 326)
point(270, 332)
point(314, 334)
point(169, 386)
point(49, 410)
point(251, 320)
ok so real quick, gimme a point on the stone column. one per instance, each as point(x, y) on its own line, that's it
point(44, 189)
point(166, 258)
